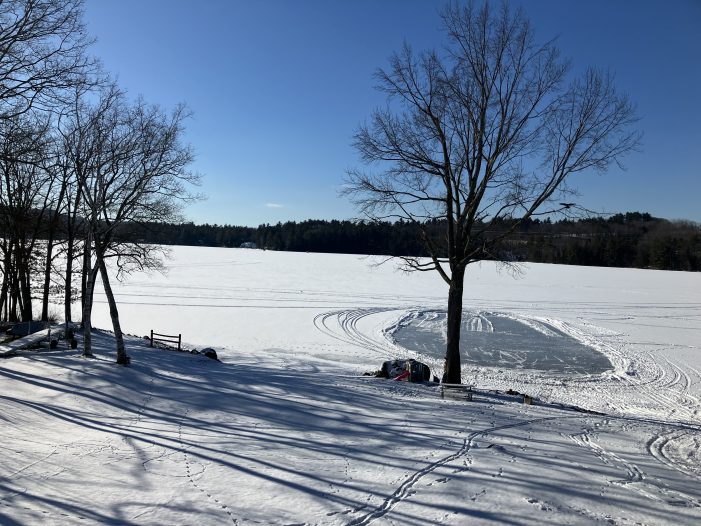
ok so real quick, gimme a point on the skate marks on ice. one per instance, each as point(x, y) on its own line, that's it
point(642, 385)
point(496, 340)
point(503, 340)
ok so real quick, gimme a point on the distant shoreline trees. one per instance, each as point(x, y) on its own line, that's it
point(628, 240)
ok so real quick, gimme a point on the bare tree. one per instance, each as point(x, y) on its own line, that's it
point(43, 58)
point(481, 138)
point(43, 47)
point(58, 201)
point(131, 167)
point(69, 221)
point(25, 198)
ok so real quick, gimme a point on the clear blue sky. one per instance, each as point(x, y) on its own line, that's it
point(278, 87)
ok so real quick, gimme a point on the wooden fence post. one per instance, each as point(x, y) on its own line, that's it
point(168, 339)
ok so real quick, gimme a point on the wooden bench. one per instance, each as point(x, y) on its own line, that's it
point(458, 391)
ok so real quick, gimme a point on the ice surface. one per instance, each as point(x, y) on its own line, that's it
point(496, 340)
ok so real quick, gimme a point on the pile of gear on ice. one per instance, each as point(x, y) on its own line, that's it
point(404, 371)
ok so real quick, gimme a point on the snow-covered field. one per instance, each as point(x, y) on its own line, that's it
point(283, 431)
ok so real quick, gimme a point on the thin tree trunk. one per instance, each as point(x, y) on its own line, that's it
point(53, 225)
point(87, 312)
point(88, 287)
point(122, 358)
point(3, 297)
point(47, 278)
point(70, 254)
point(4, 290)
point(26, 292)
point(84, 278)
point(14, 297)
point(68, 293)
point(451, 371)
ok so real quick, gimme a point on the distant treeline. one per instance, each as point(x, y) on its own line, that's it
point(632, 239)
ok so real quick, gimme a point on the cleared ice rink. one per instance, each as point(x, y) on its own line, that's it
point(497, 340)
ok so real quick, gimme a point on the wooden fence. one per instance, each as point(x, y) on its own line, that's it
point(165, 338)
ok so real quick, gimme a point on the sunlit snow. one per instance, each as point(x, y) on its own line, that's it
point(285, 431)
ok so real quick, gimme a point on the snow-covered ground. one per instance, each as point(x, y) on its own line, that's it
point(283, 431)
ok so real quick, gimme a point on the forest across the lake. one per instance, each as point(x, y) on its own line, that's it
point(632, 239)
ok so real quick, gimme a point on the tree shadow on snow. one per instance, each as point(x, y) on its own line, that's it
point(251, 425)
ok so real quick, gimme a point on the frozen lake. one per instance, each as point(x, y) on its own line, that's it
point(497, 340)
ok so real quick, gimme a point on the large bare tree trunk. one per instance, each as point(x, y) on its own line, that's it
point(451, 370)
point(122, 358)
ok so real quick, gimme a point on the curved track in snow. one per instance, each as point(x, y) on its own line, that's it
point(342, 325)
point(635, 478)
point(405, 489)
point(679, 449)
